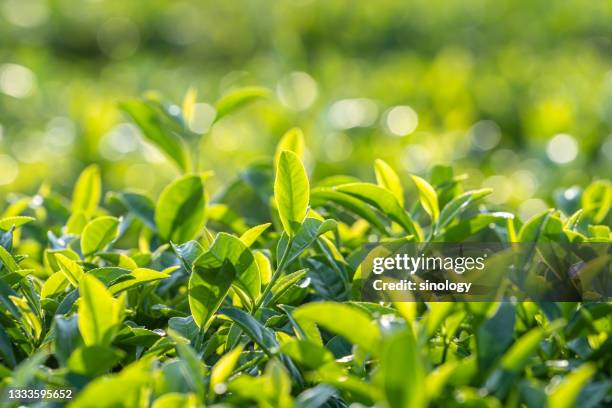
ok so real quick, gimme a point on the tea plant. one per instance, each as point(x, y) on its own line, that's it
point(249, 296)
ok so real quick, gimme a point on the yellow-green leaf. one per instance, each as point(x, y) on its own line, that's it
point(99, 313)
point(293, 141)
point(250, 236)
point(17, 221)
point(386, 177)
point(179, 214)
point(564, 394)
point(428, 197)
point(70, 269)
point(291, 191)
point(224, 367)
point(98, 233)
point(87, 191)
point(238, 98)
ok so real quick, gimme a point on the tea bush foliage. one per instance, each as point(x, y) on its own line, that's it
point(249, 295)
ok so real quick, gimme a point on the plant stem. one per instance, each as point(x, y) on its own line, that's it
point(275, 276)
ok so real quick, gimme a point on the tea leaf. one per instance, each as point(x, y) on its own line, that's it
point(98, 233)
point(99, 313)
point(160, 129)
point(386, 177)
point(260, 334)
point(291, 191)
point(222, 370)
point(250, 236)
point(348, 322)
point(238, 98)
point(384, 201)
point(207, 289)
point(136, 277)
point(597, 199)
point(229, 248)
point(87, 191)
point(564, 394)
point(179, 214)
point(16, 221)
point(403, 387)
point(459, 204)
point(71, 270)
point(293, 141)
point(428, 198)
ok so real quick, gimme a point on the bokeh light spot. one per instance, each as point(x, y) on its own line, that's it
point(502, 189)
point(203, 117)
point(25, 13)
point(402, 120)
point(352, 113)
point(16, 80)
point(562, 149)
point(531, 207)
point(9, 169)
point(297, 91)
point(338, 147)
point(485, 135)
point(415, 158)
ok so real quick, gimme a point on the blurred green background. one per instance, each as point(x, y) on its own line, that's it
point(516, 94)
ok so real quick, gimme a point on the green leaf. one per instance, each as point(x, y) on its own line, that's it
point(94, 360)
point(459, 204)
point(124, 389)
point(76, 223)
point(386, 177)
point(67, 337)
point(351, 323)
point(291, 191)
point(175, 400)
point(87, 191)
point(260, 334)
point(285, 283)
point(323, 196)
point(98, 233)
point(56, 283)
point(597, 199)
point(495, 335)
point(227, 247)
point(250, 236)
point(385, 201)
point(533, 228)
point(402, 371)
point(138, 204)
point(306, 235)
point(564, 394)
point(207, 289)
point(179, 214)
point(160, 129)
point(238, 98)
point(7, 259)
point(307, 354)
point(470, 226)
point(99, 313)
point(292, 141)
point(6, 348)
point(222, 370)
point(16, 221)
point(138, 276)
point(428, 198)
point(517, 357)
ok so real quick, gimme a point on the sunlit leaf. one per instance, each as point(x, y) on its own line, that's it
point(291, 191)
point(179, 214)
point(99, 233)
